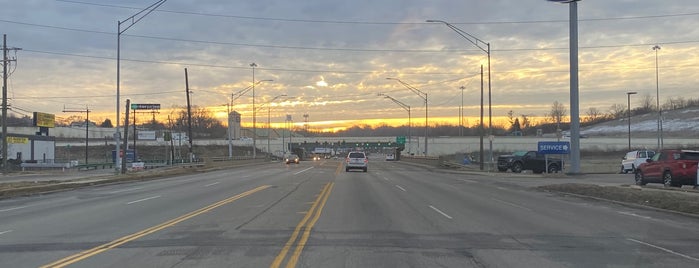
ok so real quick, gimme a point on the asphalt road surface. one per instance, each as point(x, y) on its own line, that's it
point(315, 214)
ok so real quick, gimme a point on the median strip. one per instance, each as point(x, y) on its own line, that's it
point(313, 215)
point(120, 241)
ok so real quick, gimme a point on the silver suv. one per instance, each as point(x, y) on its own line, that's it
point(356, 160)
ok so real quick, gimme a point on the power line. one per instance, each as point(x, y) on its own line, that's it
point(385, 23)
point(336, 48)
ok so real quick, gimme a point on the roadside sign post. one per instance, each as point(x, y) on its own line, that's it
point(553, 147)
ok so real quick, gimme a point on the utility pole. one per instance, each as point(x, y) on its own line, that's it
point(126, 138)
point(87, 127)
point(5, 63)
point(189, 113)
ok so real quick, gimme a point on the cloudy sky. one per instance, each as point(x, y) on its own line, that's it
point(332, 57)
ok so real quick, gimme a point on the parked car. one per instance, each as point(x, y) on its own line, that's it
point(356, 160)
point(531, 160)
point(634, 159)
point(669, 167)
point(292, 158)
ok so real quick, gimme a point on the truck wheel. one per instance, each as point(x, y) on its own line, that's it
point(638, 176)
point(667, 179)
point(623, 170)
point(517, 167)
point(553, 168)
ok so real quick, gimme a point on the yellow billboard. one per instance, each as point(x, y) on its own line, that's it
point(44, 119)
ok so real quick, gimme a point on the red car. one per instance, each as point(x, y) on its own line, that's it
point(669, 167)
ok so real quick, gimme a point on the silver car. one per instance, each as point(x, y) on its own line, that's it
point(356, 160)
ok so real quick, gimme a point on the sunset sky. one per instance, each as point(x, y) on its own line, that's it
point(332, 58)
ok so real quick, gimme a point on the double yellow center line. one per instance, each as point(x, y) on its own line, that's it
point(306, 224)
point(120, 241)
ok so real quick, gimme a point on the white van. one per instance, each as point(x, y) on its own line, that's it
point(633, 159)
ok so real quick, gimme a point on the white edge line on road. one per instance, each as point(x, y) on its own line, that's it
point(4, 232)
point(11, 209)
point(466, 180)
point(386, 179)
point(401, 188)
point(634, 215)
point(297, 173)
point(144, 199)
point(511, 204)
point(663, 249)
point(125, 190)
point(212, 184)
point(440, 212)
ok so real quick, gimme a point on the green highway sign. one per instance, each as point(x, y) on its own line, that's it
point(400, 139)
point(145, 106)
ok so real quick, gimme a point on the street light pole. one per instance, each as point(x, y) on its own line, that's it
point(407, 108)
point(422, 95)
point(479, 44)
point(628, 105)
point(461, 113)
point(657, 100)
point(254, 125)
point(574, 93)
point(135, 18)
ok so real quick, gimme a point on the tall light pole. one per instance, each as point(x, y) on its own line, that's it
point(269, 123)
point(235, 96)
point(574, 94)
point(479, 44)
point(407, 108)
point(628, 105)
point(422, 95)
point(657, 100)
point(135, 18)
point(254, 125)
point(461, 112)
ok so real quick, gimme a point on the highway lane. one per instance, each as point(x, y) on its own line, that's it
point(316, 215)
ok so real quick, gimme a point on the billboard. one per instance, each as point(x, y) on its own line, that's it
point(44, 120)
point(145, 135)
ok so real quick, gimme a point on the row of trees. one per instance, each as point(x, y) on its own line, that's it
point(205, 125)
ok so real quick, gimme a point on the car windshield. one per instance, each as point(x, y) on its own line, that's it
point(339, 133)
point(519, 153)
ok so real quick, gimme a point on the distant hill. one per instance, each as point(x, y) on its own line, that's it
point(680, 123)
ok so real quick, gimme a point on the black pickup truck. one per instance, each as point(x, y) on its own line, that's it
point(531, 160)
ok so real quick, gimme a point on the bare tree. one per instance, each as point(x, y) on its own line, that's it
point(593, 114)
point(558, 112)
point(647, 104)
point(617, 111)
point(525, 123)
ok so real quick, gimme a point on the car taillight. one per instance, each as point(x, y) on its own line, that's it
point(347, 159)
point(366, 160)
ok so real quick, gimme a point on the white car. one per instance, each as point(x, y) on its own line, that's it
point(390, 157)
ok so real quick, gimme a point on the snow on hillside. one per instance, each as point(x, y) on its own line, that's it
point(681, 123)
